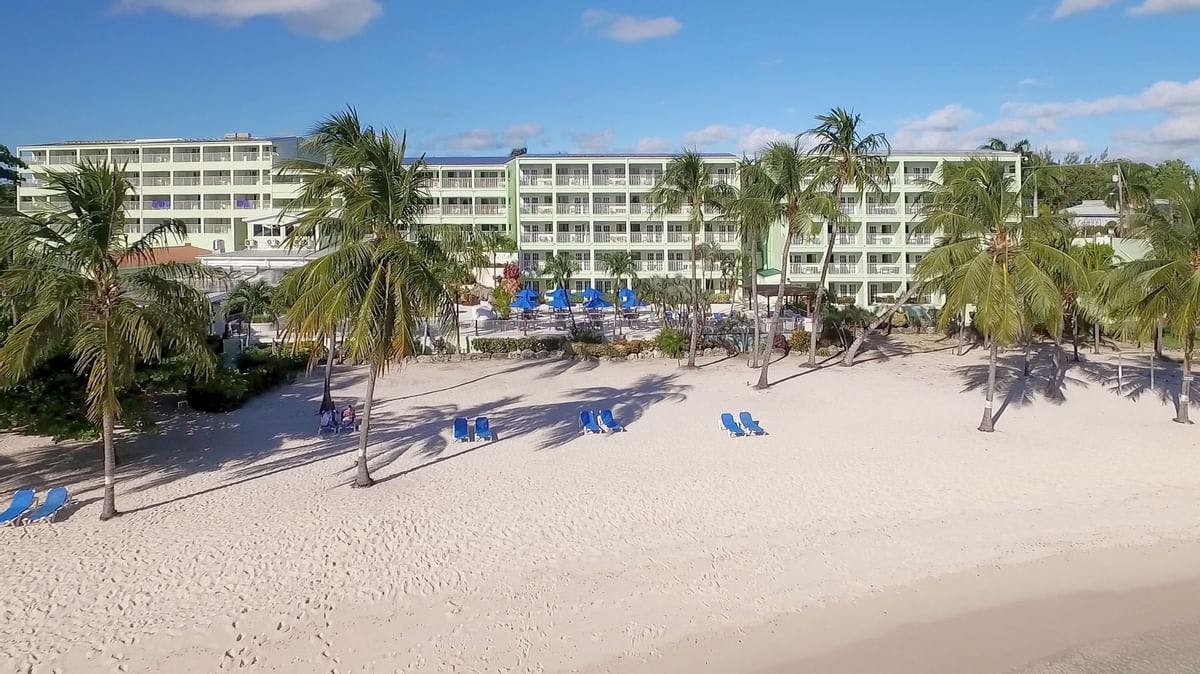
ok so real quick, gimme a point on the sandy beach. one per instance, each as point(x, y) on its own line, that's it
point(547, 551)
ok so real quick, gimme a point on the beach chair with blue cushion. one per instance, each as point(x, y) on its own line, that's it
point(730, 425)
point(22, 500)
point(55, 500)
point(483, 429)
point(606, 418)
point(750, 424)
point(461, 432)
point(328, 423)
point(587, 419)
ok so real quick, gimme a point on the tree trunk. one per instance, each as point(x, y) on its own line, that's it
point(1057, 374)
point(962, 332)
point(1185, 390)
point(769, 348)
point(1096, 339)
point(327, 390)
point(1035, 199)
point(754, 301)
point(1158, 339)
point(695, 305)
point(986, 425)
point(109, 509)
point(363, 478)
point(885, 317)
point(1075, 334)
point(1025, 363)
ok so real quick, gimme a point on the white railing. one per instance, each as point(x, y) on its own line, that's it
point(157, 181)
point(217, 156)
point(187, 205)
point(679, 265)
point(93, 158)
point(642, 208)
point(804, 269)
point(915, 208)
point(645, 180)
point(126, 158)
point(911, 268)
point(648, 265)
point(184, 157)
point(156, 204)
point(603, 179)
point(576, 180)
point(186, 180)
point(806, 240)
point(881, 209)
point(157, 158)
point(218, 205)
point(572, 209)
point(245, 156)
point(63, 159)
point(245, 180)
point(922, 239)
point(678, 237)
point(489, 183)
point(217, 180)
point(573, 237)
point(604, 207)
point(848, 209)
point(722, 179)
point(646, 237)
point(846, 239)
point(246, 203)
point(881, 239)
point(612, 237)
point(537, 237)
point(34, 182)
point(916, 178)
point(431, 182)
point(720, 237)
point(132, 206)
point(34, 160)
point(537, 209)
point(456, 209)
point(584, 265)
point(489, 209)
point(883, 269)
point(843, 268)
point(430, 209)
point(456, 182)
point(536, 180)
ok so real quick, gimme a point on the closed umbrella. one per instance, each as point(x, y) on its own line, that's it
point(597, 302)
point(591, 293)
point(527, 294)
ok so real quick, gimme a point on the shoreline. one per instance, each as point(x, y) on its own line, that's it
point(1079, 607)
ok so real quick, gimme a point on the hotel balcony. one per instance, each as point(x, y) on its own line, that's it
point(217, 204)
point(808, 240)
point(882, 239)
point(645, 179)
point(612, 237)
point(537, 237)
point(915, 208)
point(642, 208)
point(89, 157)
point(246, 203)
point(882, 209)
point(490, 209)
point(848, 209)
point(844, 268)
point(187, 204)
point(218, 180)
point(911, 268)
point(679, 265)
point(187, 157)
point(883, 268)
point(846, 238)
point(804, 269)
point(720, 237)
point(917, 178)
point(490, 183)
point(572, 209)
point(151, 157)
point(456, 209)
point(602, 207)
point(63, 159)
point(646, 237)
point(609, 180)
point(218, 156)
point(537, 209)
point(573, 237)
point(184, 181)
point(245, 155)
point(156, 204)
point(648, 265)
point(572, 180)
point(456, 183)
point(538, 180)
point(245, 180)
point(723, 179)
point(920, 239)
point(679, 237)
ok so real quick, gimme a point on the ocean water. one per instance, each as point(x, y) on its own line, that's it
point(1171, 650)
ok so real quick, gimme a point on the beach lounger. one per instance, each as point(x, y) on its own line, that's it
point(750, 424)
point(328, 423)
point(22, 500)
point(483, 429)
point(587, 419)
point(730, 425)
point(461, 433)
point(606, 418)
point(56, 498)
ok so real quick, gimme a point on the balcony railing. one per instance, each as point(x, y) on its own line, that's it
point(642, 208)
point(843, 268)
point(911, 268)
point(217, 156)
point(646, 237)
point(723, 179)
point(431, 209)
point(156, 158)
point(848, 209)
point(157, 181)
point(883, 268)
point(572, 209)
point(881, 239)
point(245, 180)
point(645, 180)
point(804, 269)
point(845, 239)
point(648, 265)
point(34, 182)
point(246, 203)
point(537, 237)
point(603, 207)
point(489, 183)
point(612, 237)
point(920, 239)
point(806, 240)
point(93, 158)
point(456, 209)
point(916, 178)
point(679, 265)
point(915, 208)
point(583, 265)
point(432, 182)
point(574, 180)
point(126, 158)
point(456, 182)
point(245, 156)
point(573, 237)
point(529, 180)
point(185, 157)
point(720, 237)
point(217, 180)
point(187, 205)
point(537, 209)
point(218, 205)
point(882, 209)
point(186, 180)
point(678, 237)
point(602, 179)
point(156, 204)
point(63, 159)
point(489, 209)
point(34, 160)
point(132, 206)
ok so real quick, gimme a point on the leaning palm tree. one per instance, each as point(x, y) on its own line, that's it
point(993, 261)
point(1165, 285)
point(365, 199)
point(687, 185)
point(104, 300)
point(781, 190)
point(844, 156)
point(251, 299)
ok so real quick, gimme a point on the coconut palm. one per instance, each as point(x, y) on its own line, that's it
point(754, 215)
point(843, 157)
point(993, 260)
point(251, 299)
point(708, 254)
point(495, 243)
point(1164, 285)
point(781, 189)
point(620, 265)
point(687, 185)
point(561, 267)
point(105, 300)
point(365, 199)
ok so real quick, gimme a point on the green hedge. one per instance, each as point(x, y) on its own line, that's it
point(258, 370)
point(510, 344)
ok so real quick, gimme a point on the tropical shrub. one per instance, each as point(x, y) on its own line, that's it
point(258, 370)
point(798, 341)
point(671, 341)
point(510, 344)
point(720, 298)
point(501, 299)
point(586, 336)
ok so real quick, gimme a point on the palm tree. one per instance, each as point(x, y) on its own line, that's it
point(103, 299)
point(251, 299)
point(992, 261)
point(378, 278)
point(620, 265)
point(496, 243)
point(844, 156)
point(754, 215)
point(562, 267)
point(1165, 285)
point(781, 189)
point(707, 253)
point(687, 185)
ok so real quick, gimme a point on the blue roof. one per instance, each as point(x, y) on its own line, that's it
point(472, 161)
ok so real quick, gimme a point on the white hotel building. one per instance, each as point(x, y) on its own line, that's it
point(231, 197)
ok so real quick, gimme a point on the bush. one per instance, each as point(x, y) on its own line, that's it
point(258, 370)
point(899, 319)
point(586, 336)
point(510, 344)
point(225, 391)
point(799, 340)
point(501, 299)
point(720, 298)
point(671, 341)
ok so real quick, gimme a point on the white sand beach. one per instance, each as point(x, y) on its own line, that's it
point(547, 551)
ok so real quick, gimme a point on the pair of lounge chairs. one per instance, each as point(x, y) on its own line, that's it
point(748, 426)
point(336, 425)
point(462, 432)
point(22, 510)
point(598, 422)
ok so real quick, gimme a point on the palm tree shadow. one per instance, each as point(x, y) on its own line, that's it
point(1133, 380)
point(1022, 389)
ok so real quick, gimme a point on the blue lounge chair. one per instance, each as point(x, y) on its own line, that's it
point(587, 419)
point(56, 498)
point(606, 418)
point(483, 429)
point(750, 424)
point(22, 500)
point(461, 433)
point(328, 423)
point(731, 425)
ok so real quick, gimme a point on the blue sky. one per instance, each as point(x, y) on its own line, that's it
point(463, 76)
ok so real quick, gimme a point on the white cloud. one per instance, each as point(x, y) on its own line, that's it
point(953, 127)
point(474, 140)
point(654, 144)
point(1029, 82)
point(1165, 6)
point(1164, 95)
point(1173, 138)
point(760, 136)
point(519, 135)
point(710, 135)
point(744, 138)
point(1062, 146)
point(623, 28)
point(592, 141)
point(328, 19)
point(1069, 7)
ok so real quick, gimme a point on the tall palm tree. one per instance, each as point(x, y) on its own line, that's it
point(103, 299)
point(844, 157)
point(561, 267)
point(496, 243)
point(993, 261)
point(687, 185)
point(781, 189)
point(620, 265)
point(754, 214)
point(251, 299)
point(1165, 285)
point(708, 254)
point(378, 278)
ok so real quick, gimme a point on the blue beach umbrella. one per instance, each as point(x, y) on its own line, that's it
point(524, 304)
point(558, 301)
point(527, 294)
point(597, 303)
point(629, 300)
point(590, 293)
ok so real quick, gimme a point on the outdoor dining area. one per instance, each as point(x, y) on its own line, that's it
point(556, 312)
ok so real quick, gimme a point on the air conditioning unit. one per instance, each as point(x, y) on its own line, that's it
point(274, 243)
point(249, 243)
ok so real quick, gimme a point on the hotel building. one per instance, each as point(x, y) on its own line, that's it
point(229, 193)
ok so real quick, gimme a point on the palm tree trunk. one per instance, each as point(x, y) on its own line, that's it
point(327, 391)
point(109, 509)
point(962, 332)
point(1158, 339)
point(848, 358)
point(986, 425)
point(363, 478)
point(819, 300)
point(1096, 338)
point(769, 347)
point(1185, 389)
point(754, 301)
point(1056, 375)
point(1025, 362)
point(1075, 334)
point(695, 307)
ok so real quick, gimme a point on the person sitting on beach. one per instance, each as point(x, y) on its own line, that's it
point(348, 417)
point(328, 420)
